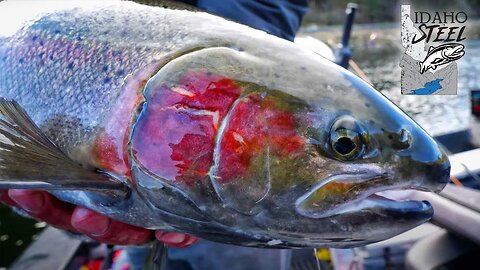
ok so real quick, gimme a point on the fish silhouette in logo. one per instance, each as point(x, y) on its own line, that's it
point(441, 55)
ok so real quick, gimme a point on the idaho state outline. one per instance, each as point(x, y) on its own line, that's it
point(441, 81)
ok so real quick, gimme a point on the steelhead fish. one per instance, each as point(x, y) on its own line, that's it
point(441, 55)
point(183, 121)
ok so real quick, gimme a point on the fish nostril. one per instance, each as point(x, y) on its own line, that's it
point(402, 140)
point(404, 136)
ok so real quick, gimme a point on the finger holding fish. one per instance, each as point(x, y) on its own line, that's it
point(45, 207)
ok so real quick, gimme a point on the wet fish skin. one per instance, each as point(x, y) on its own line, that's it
point(94, 90)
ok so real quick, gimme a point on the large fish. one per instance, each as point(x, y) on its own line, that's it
point(183, 121)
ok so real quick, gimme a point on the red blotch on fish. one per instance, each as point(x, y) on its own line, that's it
point(175, 136)
point(257, 127)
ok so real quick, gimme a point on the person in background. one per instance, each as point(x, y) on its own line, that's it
point(281, 18)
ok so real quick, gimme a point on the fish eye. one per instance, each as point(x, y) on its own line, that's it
point(346, 139)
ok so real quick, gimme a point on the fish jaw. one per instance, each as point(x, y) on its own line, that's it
point(378, 219)
point(358, 205)
point(347, 192)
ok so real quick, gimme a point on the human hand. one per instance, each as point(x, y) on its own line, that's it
point(44, 206)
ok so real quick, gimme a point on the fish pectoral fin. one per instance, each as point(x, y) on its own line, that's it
point(438, 61)
point(29, 160)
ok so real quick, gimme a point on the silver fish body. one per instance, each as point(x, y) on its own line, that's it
point(297, 153)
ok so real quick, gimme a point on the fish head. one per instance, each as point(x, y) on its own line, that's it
point(291, 144)
point(453, 51)
point(359, 145)
point(365, 145)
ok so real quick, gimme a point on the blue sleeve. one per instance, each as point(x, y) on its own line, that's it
point(281, 18)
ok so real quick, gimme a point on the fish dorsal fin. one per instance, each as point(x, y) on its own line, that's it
point(29, 160)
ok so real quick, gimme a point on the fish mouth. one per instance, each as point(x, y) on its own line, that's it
point(353, 193)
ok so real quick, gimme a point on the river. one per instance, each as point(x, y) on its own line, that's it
point(378, 51)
